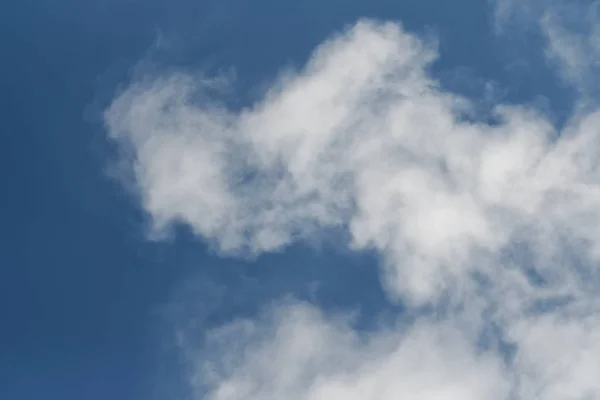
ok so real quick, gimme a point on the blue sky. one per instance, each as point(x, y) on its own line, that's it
point(358, 192)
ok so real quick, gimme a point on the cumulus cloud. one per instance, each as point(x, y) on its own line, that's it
point(495, 221)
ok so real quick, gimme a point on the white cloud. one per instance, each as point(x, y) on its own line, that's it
point(297, 353)
point(363, 138)
point(558, 356)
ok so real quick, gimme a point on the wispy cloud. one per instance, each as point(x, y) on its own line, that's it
point(573, 34)
point(492, 224)
point(571, 30)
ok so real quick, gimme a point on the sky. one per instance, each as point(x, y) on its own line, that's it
point(311, 200)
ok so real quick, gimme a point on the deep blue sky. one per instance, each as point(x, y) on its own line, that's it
point(83, 293)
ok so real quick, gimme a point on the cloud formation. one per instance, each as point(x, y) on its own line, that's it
point(494, 222)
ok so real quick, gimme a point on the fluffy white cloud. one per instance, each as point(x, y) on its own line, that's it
point(500, 220)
